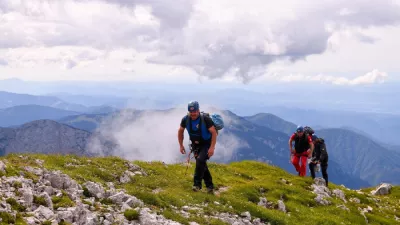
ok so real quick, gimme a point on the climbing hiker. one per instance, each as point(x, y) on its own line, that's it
point(303, 148)
point(319, 157)
point(203, 137)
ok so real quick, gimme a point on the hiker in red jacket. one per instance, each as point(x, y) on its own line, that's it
point(303, 148)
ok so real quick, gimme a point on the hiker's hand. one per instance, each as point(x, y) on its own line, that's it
point(292, 150)
point(183, 151)
point(211, 151)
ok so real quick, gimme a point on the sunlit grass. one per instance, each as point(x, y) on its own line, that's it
point(167, 188)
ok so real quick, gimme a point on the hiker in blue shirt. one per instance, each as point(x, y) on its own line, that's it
point(203, 136)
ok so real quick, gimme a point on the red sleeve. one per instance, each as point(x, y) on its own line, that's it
point(292, 137)
point(309, 139)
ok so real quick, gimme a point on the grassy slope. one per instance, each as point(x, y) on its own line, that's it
point(243, 179)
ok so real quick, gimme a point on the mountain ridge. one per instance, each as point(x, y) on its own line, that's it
point(20, 114)
point(10, 99)
point(365, 157)
point(269, 120)
point(48, 136)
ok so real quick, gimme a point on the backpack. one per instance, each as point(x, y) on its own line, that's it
point(324, 153)
point(308, 130)
point(217, 120)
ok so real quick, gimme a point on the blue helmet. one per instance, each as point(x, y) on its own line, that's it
point(193, 106)
point(300, 129)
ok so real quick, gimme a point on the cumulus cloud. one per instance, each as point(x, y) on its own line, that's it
point(375, 76)
point(68, 56)
point(216, 39)
point(241, 40)
point(78, 23)
point(152, 135)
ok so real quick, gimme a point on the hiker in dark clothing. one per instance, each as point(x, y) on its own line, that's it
point(203, 137)
point(319, 156)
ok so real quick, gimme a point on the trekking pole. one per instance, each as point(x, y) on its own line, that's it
point(188, 159)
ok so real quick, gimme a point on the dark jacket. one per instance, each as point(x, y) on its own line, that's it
point(320, 153)
point(301, 144)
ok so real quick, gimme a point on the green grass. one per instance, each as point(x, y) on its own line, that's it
point(39, 200)
point(15, 205)
point(62, 201)
point(131, 214)
point(246, 183)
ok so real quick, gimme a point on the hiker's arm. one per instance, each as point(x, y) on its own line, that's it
point(213, 136)
point(181, 130)
point(180, 135)
point(290, 143)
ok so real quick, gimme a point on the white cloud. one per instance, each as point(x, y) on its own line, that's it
point(217, 39)
point(67, 56)
point(375, 76)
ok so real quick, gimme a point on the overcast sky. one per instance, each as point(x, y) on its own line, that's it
point(341, 42)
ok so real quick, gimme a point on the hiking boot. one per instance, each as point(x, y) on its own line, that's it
point(210, 190)
point(196, 188)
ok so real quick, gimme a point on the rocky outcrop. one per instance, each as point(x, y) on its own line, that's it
point(383, 189)
point(324, 195)
point(244, 218)
point(56, 197)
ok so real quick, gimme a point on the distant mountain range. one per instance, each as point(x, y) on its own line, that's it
point(8, 99)
point(382, 127)
point(48, 136)
point(273, 122)
point(357, 160)
point(17, 115)
point(361, 156)
point(353, 152)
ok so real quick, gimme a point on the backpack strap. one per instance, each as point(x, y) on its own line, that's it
point(202, 118)
point(202, 127)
